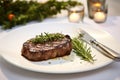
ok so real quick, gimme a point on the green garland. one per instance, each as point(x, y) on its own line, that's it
point(19, 12)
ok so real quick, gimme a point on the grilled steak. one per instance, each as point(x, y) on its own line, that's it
point(47, 50)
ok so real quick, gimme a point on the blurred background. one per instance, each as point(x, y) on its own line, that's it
point(114, 7)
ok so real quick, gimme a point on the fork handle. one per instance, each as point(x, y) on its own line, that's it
point(105, 50)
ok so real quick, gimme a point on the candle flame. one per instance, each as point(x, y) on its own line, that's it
point(97, 4)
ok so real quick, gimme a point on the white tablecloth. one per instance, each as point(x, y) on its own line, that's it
point(110, 72)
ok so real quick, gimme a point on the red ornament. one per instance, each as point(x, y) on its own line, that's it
point(11, 16)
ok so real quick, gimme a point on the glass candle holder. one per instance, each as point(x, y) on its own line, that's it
point(100, 15)
point(94, 3)
point(76, 14)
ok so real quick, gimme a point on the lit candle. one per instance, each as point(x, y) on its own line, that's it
point(92, 7)
point(76, 13)
point(74, 17)
point(97, 4)
point(99, 17)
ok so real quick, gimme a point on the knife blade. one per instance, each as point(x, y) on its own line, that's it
point(83, 35)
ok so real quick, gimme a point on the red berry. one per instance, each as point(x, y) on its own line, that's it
point(11, 16)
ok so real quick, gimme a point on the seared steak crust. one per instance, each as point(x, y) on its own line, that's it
point(48, 50)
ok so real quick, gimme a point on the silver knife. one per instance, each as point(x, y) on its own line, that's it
point(83, 35)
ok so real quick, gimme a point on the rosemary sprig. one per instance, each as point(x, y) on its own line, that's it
point(81, 49)
point(47, 37)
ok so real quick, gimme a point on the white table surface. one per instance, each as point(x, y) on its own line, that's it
point(109, 72)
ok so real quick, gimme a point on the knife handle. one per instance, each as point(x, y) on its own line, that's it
point(106, 50)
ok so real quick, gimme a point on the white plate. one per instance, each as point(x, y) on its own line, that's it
point(11, 44)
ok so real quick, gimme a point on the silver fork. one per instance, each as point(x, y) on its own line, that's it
point(99, 46)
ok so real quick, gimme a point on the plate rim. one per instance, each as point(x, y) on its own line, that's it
point(47, 71)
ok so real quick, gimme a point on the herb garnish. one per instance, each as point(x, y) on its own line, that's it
point(47, 37)
point(81, 49)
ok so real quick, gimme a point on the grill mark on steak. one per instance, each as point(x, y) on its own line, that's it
point(48, 50)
